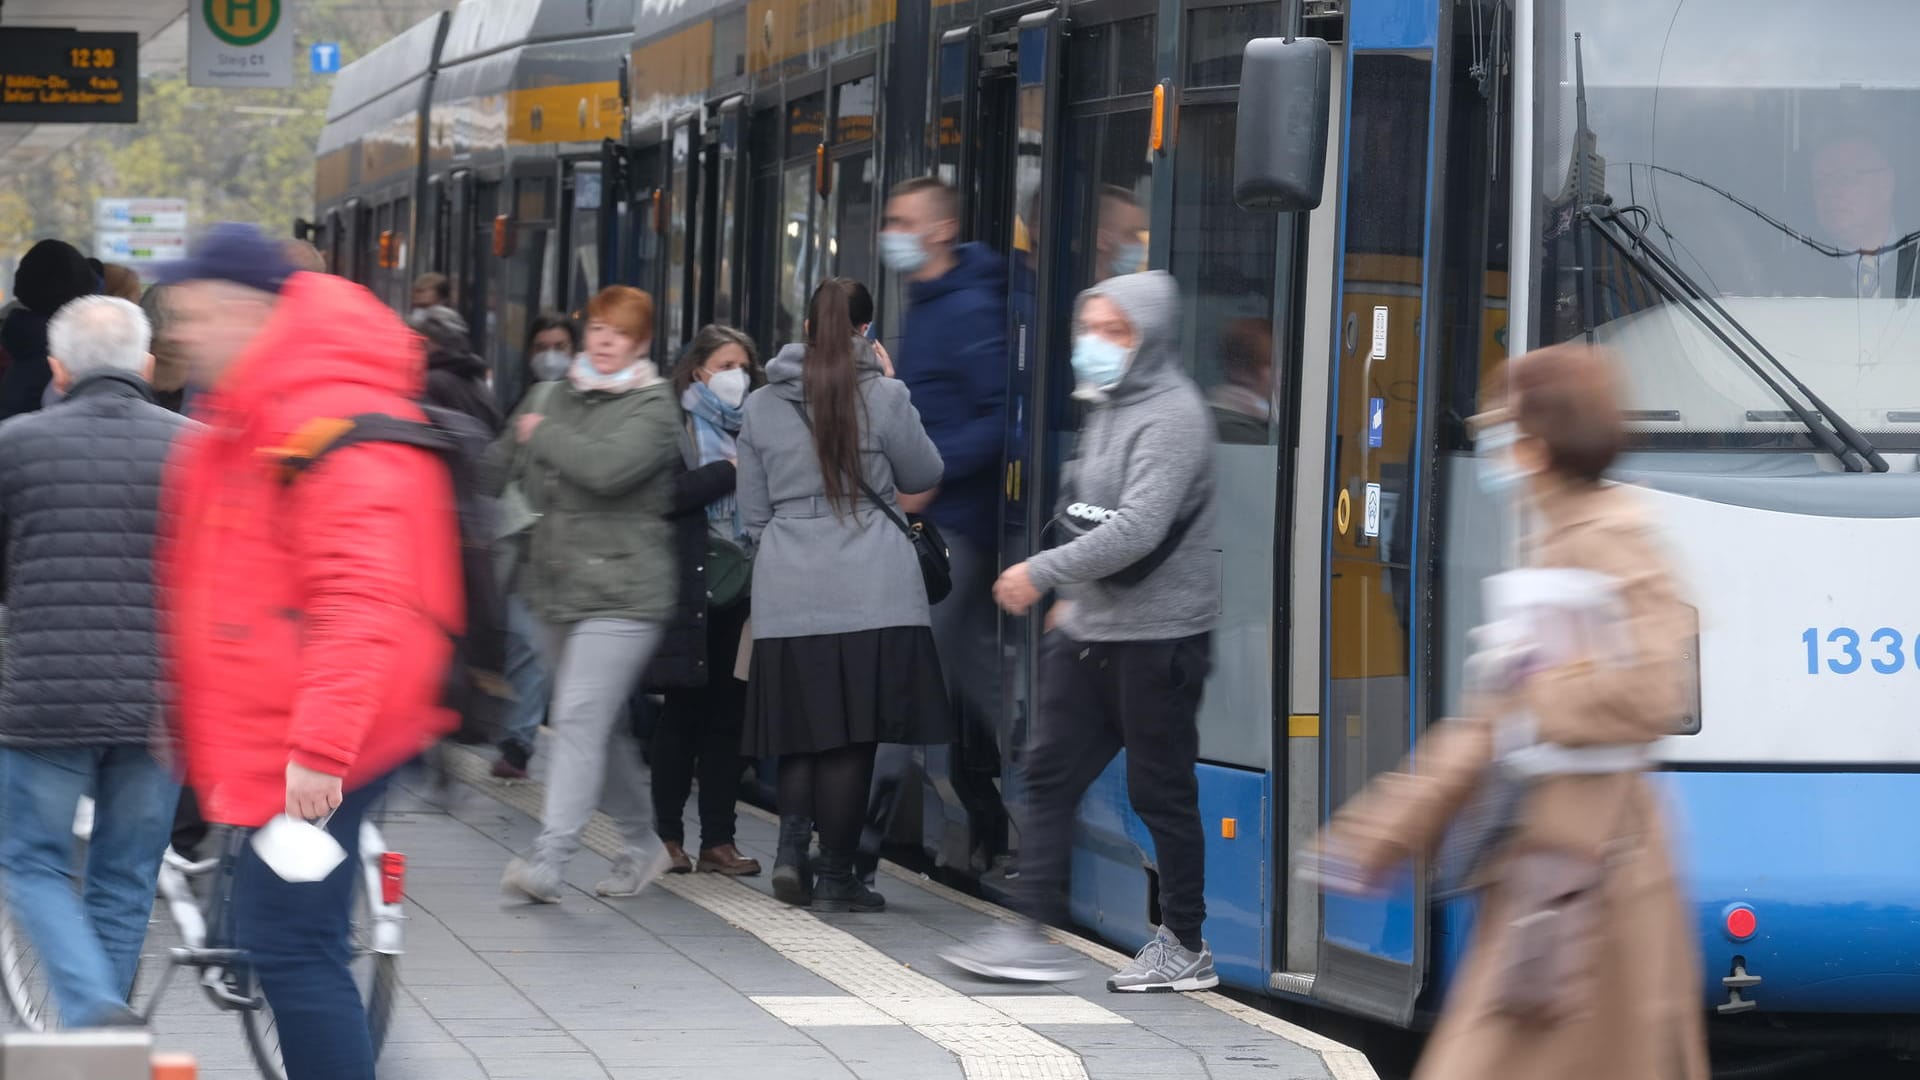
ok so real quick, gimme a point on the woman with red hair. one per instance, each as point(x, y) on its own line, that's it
point(595, 455)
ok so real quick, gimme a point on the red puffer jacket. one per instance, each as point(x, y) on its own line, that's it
point(308, 622)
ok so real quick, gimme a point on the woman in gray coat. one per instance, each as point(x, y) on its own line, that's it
point(843, 657)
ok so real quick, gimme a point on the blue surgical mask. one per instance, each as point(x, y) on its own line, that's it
point(1129, 258)
point(1499, 472)
point(550, 364)
point(903, 252)
point(1098, 362)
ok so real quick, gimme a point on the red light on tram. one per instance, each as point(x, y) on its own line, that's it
point(1741, 923)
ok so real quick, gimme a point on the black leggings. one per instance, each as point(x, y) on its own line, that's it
point(831, 788)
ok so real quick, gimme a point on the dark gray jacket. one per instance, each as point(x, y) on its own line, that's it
point(817, 571)
point(1146, 456)
point(80, 499)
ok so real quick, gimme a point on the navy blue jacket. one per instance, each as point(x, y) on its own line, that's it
point(952, 355)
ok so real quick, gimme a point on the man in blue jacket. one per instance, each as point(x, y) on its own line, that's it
point(952, 354)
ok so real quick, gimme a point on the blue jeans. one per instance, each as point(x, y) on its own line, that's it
point(90, 940)
point(296, 936)
point(527, 672)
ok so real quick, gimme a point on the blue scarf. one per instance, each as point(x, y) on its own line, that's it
point(715, 424)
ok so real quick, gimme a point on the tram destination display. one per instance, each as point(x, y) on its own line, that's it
point(69, 77)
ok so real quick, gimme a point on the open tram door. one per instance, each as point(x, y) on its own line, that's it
point(997, 90)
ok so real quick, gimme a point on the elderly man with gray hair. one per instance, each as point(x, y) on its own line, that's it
point(81, 699)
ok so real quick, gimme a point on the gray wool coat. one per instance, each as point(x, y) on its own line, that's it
point(816, 571)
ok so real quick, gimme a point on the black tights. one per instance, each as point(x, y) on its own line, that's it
point(830, 787)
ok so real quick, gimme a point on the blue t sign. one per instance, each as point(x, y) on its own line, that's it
point(1376, 421)
point(326, 57)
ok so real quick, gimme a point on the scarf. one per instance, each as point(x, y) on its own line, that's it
point(588, 379)
point(715, 425)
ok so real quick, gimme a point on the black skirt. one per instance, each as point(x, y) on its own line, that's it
point(809, 694)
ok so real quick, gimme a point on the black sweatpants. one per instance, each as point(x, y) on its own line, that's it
point(1097, 698)
point(697, 733)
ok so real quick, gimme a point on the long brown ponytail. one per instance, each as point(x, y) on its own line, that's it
point(833, 395)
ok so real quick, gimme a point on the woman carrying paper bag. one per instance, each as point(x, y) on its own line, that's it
point(1584, 963)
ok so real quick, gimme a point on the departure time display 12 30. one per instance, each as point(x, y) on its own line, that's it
point(69, 77)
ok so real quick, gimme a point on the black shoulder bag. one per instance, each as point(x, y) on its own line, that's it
point(1080, 518)
point(928, 545)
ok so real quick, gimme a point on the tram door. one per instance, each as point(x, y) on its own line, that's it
point(997, 100)
point(1373, 952)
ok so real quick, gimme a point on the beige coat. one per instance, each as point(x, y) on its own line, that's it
point(1645, 1018)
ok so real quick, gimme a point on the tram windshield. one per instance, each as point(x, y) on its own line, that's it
point(1764, 149)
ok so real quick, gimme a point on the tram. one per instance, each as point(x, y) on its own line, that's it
point(1690, 181)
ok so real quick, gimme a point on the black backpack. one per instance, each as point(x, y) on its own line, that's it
point(476, 685)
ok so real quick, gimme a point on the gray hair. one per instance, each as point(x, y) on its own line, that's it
point(99, 333)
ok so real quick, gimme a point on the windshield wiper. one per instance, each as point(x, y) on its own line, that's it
point(1841, 439)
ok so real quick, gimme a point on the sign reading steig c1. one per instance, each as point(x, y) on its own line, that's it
point(240, 44)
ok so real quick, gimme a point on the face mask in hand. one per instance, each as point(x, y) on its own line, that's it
point(550, 364)
point(1097, 361)
point(903, 252)
point(730, 386)
point(1499, 472)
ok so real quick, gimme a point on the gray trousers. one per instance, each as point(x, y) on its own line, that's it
point(595, 664)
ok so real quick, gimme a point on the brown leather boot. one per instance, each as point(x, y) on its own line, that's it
point(726, 859)
point(681, 864)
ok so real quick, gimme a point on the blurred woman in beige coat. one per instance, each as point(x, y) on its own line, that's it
point(1584, 962)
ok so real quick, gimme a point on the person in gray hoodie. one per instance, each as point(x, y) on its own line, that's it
point(843, 654)
point(1130, 644)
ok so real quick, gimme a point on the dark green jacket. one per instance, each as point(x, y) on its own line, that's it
point(599, 470)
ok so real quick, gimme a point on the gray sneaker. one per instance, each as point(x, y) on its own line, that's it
point(633, 872)
point(1014, 952)
point(534, 879)
point(1162, 965)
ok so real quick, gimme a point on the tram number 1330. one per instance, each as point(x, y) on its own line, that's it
point(1844, 650)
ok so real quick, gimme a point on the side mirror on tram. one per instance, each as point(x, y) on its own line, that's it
point(1280, 156)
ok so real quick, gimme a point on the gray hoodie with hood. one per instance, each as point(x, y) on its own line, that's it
point(815, 571)
point(1146, 454)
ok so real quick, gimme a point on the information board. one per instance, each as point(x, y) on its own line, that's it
point(68, 77)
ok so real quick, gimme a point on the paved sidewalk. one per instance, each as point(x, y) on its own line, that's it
point(710, 977)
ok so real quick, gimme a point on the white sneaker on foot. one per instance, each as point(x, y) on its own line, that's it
point(633, 873)
point(534, 879)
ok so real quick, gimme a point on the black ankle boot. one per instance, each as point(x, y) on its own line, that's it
point(792, 877)
point(838, 888)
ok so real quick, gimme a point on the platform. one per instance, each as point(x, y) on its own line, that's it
point(710, 977)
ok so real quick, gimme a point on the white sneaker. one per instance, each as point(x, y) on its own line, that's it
point(1164, 964)
point(1014, 952)
point(536, 880)
point(633, 873)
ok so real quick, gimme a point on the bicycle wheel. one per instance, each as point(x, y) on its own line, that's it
point(376, 973)
point(29, 994)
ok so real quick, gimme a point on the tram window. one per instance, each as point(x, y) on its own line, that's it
point(853, 111)
point(1217, 40)
point(402, 237)
point(727, 187)
point(806, 124)
point(796, 252)
point(679, 234)
point(646, 242)
point(583, 236)
point(1089, 76)
point(850, 244)
point(730, 45)
point(1135, 54)
point(762, 299)
point(1113, 226)
point(533, 199)
point(763, 138)
point(1223, 258)
point(379, 281)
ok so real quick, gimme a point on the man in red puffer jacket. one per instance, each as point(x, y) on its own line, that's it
point(309, 619)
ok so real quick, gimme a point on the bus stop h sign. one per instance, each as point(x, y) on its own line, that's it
point(240, 44)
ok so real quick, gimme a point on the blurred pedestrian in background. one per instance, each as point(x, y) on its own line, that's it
point(953, 358)
point(1583, 962)
point(50, 274)
point(552, 343)
point(309, 615)
point(432, 290)
point(304, 257)
point(595, 456)
point(80, 708)
point(698, 732)
point(843, 658)
point(456, 378)
point(120, 281)
point(1130, 649)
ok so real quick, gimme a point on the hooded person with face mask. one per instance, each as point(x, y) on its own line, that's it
point(1131, 642)
point(51, 274)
